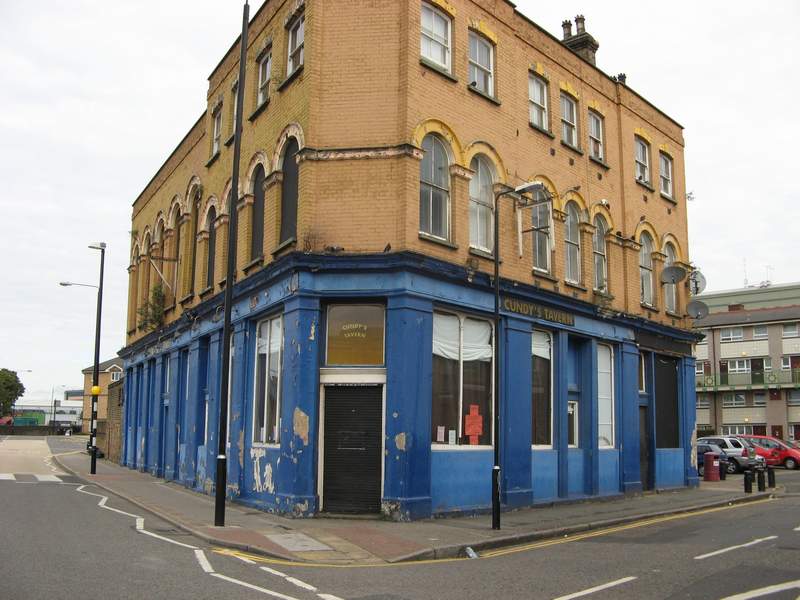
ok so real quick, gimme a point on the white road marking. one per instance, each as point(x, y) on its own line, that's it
point(7, 477)
point(47, 478)
point(766, 591)
point(204, 564)
point(273, 571)
point(253, 587)
point(730, 548)
point(139, 523)
point(328, 597)
point(245, 559)
point(597, 588)
point(797, 528)
point(166, 539)
point(302, 584)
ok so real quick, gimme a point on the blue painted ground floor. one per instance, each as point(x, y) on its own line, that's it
point(365, 384)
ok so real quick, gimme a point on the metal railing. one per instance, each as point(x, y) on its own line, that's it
point(782, 377)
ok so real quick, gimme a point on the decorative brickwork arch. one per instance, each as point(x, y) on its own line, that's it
point(192, 189)
point(292, 130)
point(598, 209)
point(573, 196)
point(259, 158)
point(212, 200)
point(669, 238)
point(443, 131)
point(645, 226)
point(484, 148)
point(222, 208)
point(174, 213)
point(135, 254)
point(551, 188)
point(158, 230)
point(144, 240)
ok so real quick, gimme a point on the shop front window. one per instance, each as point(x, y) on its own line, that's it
point(269, 355)
point(461, 403)
point(542, 390)
point(355, 335)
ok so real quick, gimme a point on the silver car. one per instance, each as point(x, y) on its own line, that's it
point(738, 450)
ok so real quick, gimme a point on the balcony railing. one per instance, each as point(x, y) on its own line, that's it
point(783, 377)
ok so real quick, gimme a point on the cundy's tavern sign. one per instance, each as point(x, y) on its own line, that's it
point(529, 309)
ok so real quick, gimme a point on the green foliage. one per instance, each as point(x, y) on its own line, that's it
point(11, 388)
point(151, 314)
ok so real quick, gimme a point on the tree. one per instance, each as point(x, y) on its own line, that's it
point(11, 388)
point(151, 315)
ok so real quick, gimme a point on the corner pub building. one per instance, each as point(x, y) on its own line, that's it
point(363, 336)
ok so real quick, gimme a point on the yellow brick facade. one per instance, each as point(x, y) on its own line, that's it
point(359, 109)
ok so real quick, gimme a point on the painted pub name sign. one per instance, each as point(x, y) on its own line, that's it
point(529, 309)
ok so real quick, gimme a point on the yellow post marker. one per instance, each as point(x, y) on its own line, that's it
point(95, 390)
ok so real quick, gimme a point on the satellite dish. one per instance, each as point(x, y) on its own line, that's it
point(697, 309)
point(697, 283)
point(673, 274)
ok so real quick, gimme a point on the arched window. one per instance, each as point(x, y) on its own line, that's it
point(257, 227)
point(670, 289)
point(193, 239)
point(572, 241)
point(145, 268)
point(481, 201)
point(176, 249)
point(434, 189)
point(212, 246)
point(289, 191)
point(540, 224)
point(646, 268)
point(599, 250)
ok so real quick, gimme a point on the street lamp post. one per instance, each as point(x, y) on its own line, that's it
point(519, 190)
point(96, 370)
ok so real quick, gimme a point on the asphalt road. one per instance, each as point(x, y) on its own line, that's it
point(58, 541)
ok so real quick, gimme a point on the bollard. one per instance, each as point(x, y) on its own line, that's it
point(762, 486)
point(771, 477)
point(723, 470)
point(748, 482)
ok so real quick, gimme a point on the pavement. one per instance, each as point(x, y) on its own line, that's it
point(372, 541)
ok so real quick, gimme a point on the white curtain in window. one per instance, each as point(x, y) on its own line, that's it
point(445, 336)
point(605, 397)
point(477, 340)
point(541, 344)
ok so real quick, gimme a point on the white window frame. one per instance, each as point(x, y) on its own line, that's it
point(789, 330)
point(576, 423)
point(542, 231)
point(665, 174)
point(572, 247)
point(760, 336)
point(703, 401)
point(643, 372)
point(767, 363)
point(481, 209)
point(792, 397)
point(552, 407)
point(641, 157)
point(430, 36)
point(476, 67)
point(733, 400)
point(646, 270)
point(258, 439)
point(264, 76)
point(429, 186)
point(569, 128)
point(699, 368)
point(610, 398)
point(756, 401)
point(731, 334)
point(116, 375)
point(216, 130)
point(600, 253)
point(737, 430)
point(786, 363)
point(296, 44)
point(460, 400)
point(670, 289)
point(738, 366)
point(596, 128)
point(535, 106)
point(234, 100)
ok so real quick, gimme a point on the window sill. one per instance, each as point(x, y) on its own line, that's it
point(186, 299)
point(542, 131)
point(600, 162)
point(283, 245)
point(669, 199)
point(484, 95)
point(253, 264)
point(213, 159)
point(261, 107)
point(646, 185)
point(436, 240)
point(206, 291)
point(229, 141)
point(649, 307)
point(544, 275)
point(438, 69)
point(170, 307)
point(457, 447)
point(482, 253)
point(291, 77)
point(275, 445)
point(221, 282)
point(575, 285)
point(602, 294)
point(674, 315)
point(575, 149)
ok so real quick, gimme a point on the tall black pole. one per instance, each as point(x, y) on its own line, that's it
point(96, 370)
point(233, 200)
point(496, 407)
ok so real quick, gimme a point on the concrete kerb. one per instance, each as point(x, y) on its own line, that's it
point(180, 525)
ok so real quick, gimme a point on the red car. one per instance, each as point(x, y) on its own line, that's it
point(775, 451)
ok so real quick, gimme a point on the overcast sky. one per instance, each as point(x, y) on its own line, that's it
point(95, 94)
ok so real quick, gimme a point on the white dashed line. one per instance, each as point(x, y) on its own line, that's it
point(204, 564)
point(245, 559)
point(301, 584)
point(273, 572)
point(766, 591)
point(253, 587)
point(328, 597)
point(730, 548)
point(7, 477)
point(597, 588)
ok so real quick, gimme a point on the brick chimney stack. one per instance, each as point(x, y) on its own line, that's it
point(582, 43)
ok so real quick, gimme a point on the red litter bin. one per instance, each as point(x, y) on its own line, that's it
point(710, 467)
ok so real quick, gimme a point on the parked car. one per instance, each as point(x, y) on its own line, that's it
point(701, 452)
point(778, 452)
point(739, 455)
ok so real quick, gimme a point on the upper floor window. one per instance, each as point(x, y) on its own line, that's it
point(642, 160)
point(759, 399)
point(296, 43)
point(434, 189)
point(699, 368)
point(569, 120)
point(435, 36)
point(703, 401)
point(730, 334)
point(596, 136)
point(733, 400)
point(481, 64)
point(541, 218)
point(116, 375)
point(790, 330)
point(599, 251)
point(759, 332)
point(257, 225)
point(537, 98)
point(740, 365)
point(572, 242)
point(212, 246)
point(289, 190)
point(646, 268)
point(481, 202)
point(670, 289)
point(786, 363)
point(264, 77)
point(665, 174)
point(235, 107)
point(216, 130)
